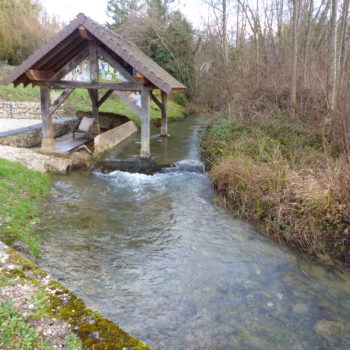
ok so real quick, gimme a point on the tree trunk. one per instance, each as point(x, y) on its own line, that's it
point(332, 73)
point(343, 32)
point(307, 43)
point(293, 95)
point(224, 31)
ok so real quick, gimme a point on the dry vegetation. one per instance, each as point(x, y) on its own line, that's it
point(279, 147)
point(284, 176)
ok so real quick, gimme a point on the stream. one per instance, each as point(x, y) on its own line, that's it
point(150, 250)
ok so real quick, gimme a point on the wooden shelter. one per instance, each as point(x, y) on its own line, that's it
point(86, 55)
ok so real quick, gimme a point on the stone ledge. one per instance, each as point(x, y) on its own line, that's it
point(36, 161)
point(94, 330)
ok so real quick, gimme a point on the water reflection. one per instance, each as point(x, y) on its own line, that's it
point(154, 254)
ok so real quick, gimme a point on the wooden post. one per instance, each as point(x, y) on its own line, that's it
point(94, 103)
point(164, 121)
point(94, 70)
point(48, 142)
point(145, 123)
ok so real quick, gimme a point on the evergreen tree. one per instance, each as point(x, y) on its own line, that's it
point(120, 10)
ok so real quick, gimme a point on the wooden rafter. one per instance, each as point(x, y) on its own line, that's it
point(34, 74)
point(84, 33)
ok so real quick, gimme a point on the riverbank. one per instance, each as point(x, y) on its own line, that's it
point(36, 312)
point(283, 177)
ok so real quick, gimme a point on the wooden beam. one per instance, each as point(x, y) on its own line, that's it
point(116, 65)
point(174, 91)
point(164, 120)
point(145, 124)
point(84, 33)
point(94, 69)
point(48, 143)
point(59, 100)
point(131, 105)
point(62, 84)
point(71, 65)
point(156, 101)
point(63, 57)
point(93, 93)
point(34, 74)
point(104, 98)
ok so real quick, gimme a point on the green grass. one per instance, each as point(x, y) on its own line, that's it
point(79, 101)
point(20, 190)
point(16, 334)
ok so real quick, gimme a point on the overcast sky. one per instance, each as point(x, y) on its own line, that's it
point(68, 9)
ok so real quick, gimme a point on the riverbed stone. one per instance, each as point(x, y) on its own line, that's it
point(328, 329)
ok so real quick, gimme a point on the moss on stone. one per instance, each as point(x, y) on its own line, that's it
point(95, 331)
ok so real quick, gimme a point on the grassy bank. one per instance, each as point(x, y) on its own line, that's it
point(283, 177)
point(79, 101)
point(20, 190)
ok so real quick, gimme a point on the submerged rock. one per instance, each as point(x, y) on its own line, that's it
point(193, 166)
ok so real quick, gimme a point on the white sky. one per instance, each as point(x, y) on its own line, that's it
point(66, 10)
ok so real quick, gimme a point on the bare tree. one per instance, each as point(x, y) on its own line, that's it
point(342, 43)
point(293, 94)
point(307, 42)
point(332, 72)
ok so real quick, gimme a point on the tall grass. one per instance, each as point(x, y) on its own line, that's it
point(282, 176)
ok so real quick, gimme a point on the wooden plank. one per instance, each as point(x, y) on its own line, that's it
point(93, 61)
point(62, 84)
point(71, 144)
point(104, 98)
point(116, 65)
point(131, 105)
point(60, 99)
point(48, 143)
point(84, 33)
point(145, 124)
point(34, 74)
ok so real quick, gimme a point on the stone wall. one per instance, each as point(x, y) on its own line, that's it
point(31, 136)
point(24, 110)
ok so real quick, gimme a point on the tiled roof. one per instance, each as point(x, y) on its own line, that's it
point(54, 54)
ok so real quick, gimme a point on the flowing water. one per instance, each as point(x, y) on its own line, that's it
point(154, 254)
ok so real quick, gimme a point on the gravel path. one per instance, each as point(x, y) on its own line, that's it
point(13, 124)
